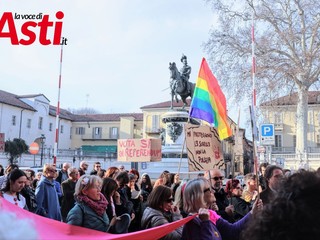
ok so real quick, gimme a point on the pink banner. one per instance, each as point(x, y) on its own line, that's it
point(51, 229)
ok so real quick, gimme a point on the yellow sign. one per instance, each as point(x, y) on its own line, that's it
point(204, 148)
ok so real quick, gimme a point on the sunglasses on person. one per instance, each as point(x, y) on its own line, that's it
point(217, 178)
point(206, 190)
point(52, 170)
point(169, 200)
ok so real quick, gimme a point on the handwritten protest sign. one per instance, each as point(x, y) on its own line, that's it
point(204, 148)
point(139, 150)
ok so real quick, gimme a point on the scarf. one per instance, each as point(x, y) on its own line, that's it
point(99, 206)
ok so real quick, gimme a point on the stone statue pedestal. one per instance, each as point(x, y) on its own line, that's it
point(174, 135)
point(174, 121)
point(174, 155)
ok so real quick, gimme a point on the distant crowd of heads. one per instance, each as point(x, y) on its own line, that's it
point(283, 204)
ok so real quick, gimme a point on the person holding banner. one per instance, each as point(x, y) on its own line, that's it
point(91, 205)
point(197, 197)
point(161, 211)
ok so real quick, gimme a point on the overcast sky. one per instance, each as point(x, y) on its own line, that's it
point(117, 54)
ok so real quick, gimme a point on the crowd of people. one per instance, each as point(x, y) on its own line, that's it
point(271, 205)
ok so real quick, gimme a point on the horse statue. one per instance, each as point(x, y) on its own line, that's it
point(179, 87)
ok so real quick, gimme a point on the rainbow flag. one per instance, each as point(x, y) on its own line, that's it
point(209, 103)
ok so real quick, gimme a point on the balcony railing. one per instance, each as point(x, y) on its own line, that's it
point(283, 149)
point(292, 150)
point(89, 137)
point(152, 130)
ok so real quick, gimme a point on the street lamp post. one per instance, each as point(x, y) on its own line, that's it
point(42, 139)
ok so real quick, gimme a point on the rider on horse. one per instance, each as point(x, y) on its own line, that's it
point(185, 71)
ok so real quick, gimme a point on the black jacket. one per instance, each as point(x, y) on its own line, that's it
point(223, 202)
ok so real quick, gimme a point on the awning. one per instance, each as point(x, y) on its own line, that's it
point(99, 149)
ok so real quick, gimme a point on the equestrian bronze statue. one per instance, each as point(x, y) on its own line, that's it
point(179, 83)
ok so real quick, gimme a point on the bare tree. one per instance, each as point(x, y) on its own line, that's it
point(83, 111)
point(287, 51)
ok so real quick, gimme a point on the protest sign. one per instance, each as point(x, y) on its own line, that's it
point(204, 148)
point(139, 150)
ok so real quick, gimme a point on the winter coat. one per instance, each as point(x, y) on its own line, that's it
point(63, 176)
point(222, 229)
point(231, 231)
point(47, 200)
point(241, 207)
point(223, 202)
point(84, 216)
point(200, 230)
point(153, 218)
point(67, 201)
point(267, 196)
point(57, 185)
point(30, 197)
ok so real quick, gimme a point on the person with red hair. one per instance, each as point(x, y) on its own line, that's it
point(111, 172)
point(234, 192)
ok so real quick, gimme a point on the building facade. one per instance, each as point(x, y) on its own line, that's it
point(94, 136)
point(238, 148)
point(282, 113)
point(31, 116)
point(33, 119)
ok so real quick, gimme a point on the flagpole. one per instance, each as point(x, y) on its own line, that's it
point(236, 145)
point(254, 102)
point(184, 142)
point(254, 98)
point(55, 149)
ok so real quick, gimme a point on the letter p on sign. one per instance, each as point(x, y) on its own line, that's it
point(267, 134)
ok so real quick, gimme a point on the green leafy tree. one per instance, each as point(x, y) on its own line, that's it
point(14, 149)
point(287, 49)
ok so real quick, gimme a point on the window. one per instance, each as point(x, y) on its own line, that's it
point(40, 123)
point(28, 123)
point(155, 122)
point(114, 133)
point(97, 131)
point(80, 131)
point(318, 140)
point(14, 120)
point(294, 141)
point(278, 141)
point(50, 127)
point(61, 128)
point(277, 118)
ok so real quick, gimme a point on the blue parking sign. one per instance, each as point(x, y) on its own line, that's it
point(267, 134)
point(267, 130)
